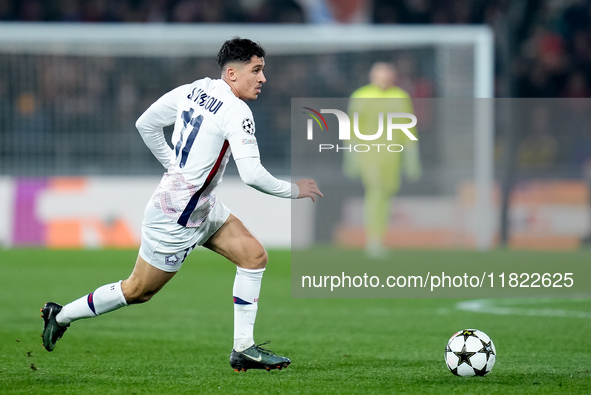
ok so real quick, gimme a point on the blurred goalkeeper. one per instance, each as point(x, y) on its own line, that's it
point(380, 171)
point(211, 121)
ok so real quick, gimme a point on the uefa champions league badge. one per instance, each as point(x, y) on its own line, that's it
point(171, 260)
point(248, 125)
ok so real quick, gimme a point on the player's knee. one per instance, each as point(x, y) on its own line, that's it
point(139, 297)
point(143, 296)
point(135, 293)
point(263, 259)
point(257, 260)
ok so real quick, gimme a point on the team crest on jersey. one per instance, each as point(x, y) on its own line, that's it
point(171, 260)
point(248, 125)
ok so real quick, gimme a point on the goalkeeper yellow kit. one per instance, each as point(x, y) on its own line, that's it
point(380, 169)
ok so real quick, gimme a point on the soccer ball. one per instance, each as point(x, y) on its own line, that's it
point(470, 352)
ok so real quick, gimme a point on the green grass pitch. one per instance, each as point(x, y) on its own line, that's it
point(181, 340)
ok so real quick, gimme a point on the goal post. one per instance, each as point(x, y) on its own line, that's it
point(85, 84)
point(166, 40)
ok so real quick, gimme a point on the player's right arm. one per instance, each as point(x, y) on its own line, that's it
point(150, 124)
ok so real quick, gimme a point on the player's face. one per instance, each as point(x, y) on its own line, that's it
point(250, 79)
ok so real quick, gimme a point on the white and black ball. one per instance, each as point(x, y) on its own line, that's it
point(470, 352)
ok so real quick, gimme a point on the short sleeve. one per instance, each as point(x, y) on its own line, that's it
point(239, 131)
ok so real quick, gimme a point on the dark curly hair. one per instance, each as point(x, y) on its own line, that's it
point(239, 50)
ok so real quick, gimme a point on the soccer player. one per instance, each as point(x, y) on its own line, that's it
point(380, 170)
point(211, 121)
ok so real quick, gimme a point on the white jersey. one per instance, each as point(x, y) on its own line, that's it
point(210, 123)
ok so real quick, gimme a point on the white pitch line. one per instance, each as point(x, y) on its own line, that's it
point(494, 306)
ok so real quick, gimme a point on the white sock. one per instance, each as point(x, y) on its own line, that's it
point(106, 298)
point(247, 287)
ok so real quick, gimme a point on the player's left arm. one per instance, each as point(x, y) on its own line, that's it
point(240, 131)
point(254, 174)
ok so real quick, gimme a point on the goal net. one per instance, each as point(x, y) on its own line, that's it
point(70, 95)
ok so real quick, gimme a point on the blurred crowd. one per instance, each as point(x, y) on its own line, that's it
point(543, 46)
point(173, 11)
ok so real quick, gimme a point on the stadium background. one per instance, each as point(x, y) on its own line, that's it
point(74, 115)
